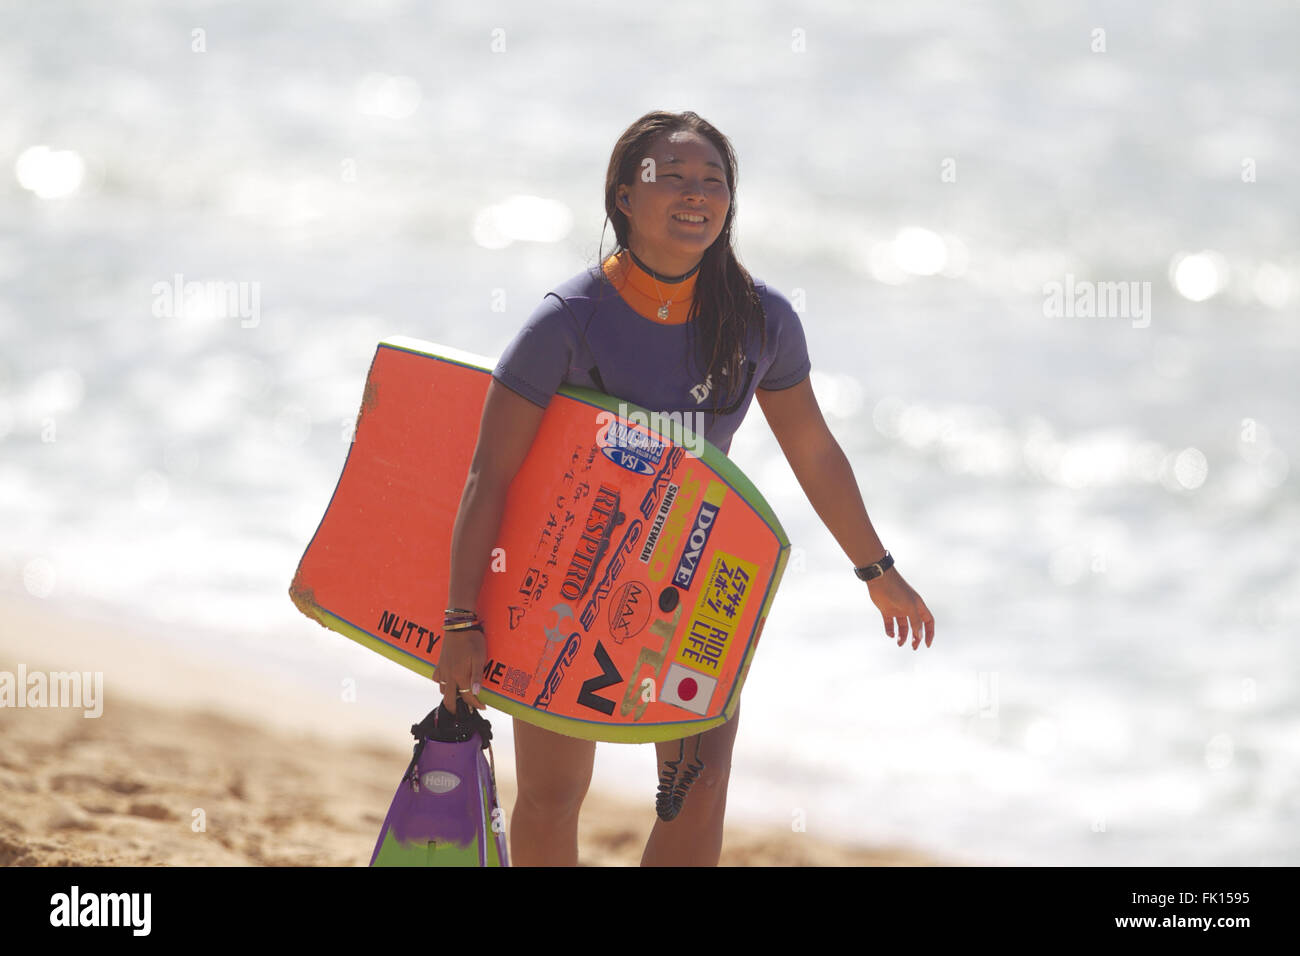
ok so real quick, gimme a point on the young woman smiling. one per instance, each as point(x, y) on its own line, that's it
point(670, 321)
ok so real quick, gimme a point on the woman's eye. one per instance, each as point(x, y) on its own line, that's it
point(679, 176)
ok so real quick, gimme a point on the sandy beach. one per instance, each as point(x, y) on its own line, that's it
point(190, 765)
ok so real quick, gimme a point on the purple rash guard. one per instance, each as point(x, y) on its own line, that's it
point(640, 360)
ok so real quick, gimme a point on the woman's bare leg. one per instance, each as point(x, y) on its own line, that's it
point(553, 772)
point(694, 838)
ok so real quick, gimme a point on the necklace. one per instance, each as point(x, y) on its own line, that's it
point(663, 306)
point(655, 277)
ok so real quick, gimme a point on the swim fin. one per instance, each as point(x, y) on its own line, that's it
point(445, 811)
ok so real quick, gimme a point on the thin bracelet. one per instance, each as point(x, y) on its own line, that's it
point(462, 625)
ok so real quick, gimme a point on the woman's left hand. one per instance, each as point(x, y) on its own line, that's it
point(897, 601)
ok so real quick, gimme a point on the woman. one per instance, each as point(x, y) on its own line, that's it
point(670, 322)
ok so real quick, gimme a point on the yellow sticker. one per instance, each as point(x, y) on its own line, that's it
point(720, 606)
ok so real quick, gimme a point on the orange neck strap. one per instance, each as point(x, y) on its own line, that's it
point(648, 296)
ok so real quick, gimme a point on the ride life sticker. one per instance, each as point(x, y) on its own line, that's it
point(720, 605)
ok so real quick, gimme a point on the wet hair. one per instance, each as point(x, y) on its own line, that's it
point(726, 305)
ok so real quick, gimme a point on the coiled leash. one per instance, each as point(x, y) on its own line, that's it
point(672, 791)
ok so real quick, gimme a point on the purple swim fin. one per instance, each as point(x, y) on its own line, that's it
point(445, 811)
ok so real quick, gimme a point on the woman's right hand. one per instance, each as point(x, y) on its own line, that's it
point(463, 655)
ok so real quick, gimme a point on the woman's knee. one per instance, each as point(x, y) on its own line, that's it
point(708, 791)
point(553, 772)
point(551, 795)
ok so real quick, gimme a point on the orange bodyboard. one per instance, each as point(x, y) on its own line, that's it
point(633, 571)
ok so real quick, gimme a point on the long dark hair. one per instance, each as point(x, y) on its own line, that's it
point(726, 304)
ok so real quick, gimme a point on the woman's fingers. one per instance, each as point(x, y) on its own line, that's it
point(463, 655)
point(470, 694)
point(924, 623)
point(470, 656)
point(461, 688)
point(477, 658)
point(449, 690)
point(903, 611)
point(919, 623)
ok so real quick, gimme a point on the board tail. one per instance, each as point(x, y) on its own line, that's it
point(445, 811)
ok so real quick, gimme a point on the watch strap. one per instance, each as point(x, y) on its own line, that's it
point(871, 571)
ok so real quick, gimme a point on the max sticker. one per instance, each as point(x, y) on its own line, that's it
point(629, 611)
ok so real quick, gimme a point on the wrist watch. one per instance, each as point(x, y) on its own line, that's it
point(871, 571)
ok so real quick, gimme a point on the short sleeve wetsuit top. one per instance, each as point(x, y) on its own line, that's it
point(601, 329)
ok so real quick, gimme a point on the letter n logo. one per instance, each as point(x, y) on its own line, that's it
point(609, 677)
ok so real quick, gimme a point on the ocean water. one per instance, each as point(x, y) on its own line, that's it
point(1096, 497)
